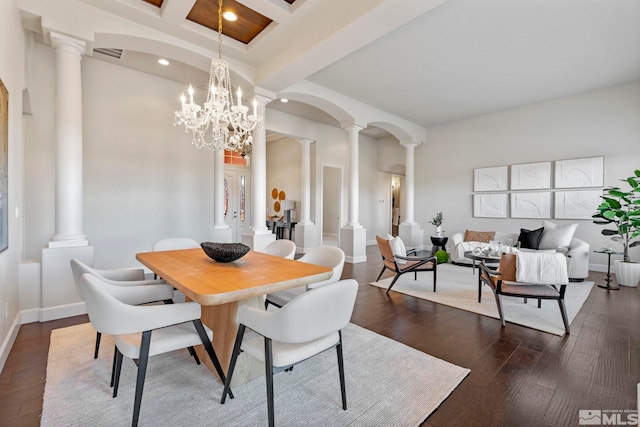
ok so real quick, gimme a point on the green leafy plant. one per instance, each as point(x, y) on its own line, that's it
point(437, 220)
point(442, 256)
point(622, 210)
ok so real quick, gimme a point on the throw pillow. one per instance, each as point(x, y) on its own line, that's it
point(557, 236)
point(479, 236)
point(398, 248)
point(530, 239)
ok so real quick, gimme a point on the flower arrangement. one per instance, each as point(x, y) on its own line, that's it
point(437, 220)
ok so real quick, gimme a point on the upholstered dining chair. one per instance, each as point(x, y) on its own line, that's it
point(400, 265)
point(143, 331)
point(327, 256)
point(175, 243)
point(306, 326)
point(503, 283)
point(132, 287)
point(282, 248)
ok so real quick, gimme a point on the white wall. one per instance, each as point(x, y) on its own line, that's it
point(12, 70)
point(601, 123)
point(143, 180)
point(284, 172)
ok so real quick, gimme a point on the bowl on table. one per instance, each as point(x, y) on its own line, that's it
point(224, 252)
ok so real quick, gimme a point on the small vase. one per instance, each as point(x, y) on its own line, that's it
point(438, 230)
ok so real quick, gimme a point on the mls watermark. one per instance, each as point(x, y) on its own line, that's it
point(608, 417)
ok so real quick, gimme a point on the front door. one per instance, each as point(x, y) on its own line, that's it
point(236, 198)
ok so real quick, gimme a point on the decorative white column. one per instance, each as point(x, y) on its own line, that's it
point(221, 231)
point(354, 181)
point(409, 230)
point(409, 181)
point(58, 295)
point(68, 149)
point(305, 204)
point(353, 236)
point(259, 235)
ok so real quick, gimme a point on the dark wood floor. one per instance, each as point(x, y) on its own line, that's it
point(519, 377)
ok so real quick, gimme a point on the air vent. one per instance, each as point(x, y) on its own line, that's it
point(113, 53)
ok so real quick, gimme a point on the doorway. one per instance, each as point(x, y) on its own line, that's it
point(331, 205)
point(237, 201)
point(396, 191)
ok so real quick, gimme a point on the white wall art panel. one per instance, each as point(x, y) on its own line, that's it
point(490, 205)
point(531, 176)
point(580, 204)
point(490, 179)
point(531, 205)
point(588, 172)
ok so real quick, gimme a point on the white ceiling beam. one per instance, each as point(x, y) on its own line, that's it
point(175, 11)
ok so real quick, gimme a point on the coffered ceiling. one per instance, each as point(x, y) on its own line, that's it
point(427, 61)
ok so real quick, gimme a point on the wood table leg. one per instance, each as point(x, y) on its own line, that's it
point(223, 321)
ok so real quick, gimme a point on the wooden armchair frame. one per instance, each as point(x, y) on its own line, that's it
point(413, 263)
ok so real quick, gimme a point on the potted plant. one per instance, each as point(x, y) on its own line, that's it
point(621, 209)
point(437, 221)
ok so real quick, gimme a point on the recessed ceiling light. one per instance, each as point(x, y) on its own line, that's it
point(163, 61)
point(284, 100)
point(230, 16)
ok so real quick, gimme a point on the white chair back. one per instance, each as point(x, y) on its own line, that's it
point(327, 256)
point(281, 248)
point(175, 243)
point(308, 317)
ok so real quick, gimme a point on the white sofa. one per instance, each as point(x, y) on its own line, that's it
point(577, 253)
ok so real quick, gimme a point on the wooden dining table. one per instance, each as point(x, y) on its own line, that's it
point(221, 287)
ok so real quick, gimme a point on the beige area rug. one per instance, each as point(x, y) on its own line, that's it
point(388, 384)
point(457, 287)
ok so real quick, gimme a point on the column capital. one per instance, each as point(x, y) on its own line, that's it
point(61, 42)
point(304, 141)
point(353, 128)
point(262, 100)
point(409, 144)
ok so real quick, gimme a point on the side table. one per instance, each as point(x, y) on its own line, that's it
point(608, 279)
point(438, 242)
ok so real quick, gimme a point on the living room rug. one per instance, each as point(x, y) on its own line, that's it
point(457, 287)
point(387, 383)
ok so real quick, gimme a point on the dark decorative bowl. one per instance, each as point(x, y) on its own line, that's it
point(224, 252)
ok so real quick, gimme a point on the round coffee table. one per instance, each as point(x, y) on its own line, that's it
point(487, 259)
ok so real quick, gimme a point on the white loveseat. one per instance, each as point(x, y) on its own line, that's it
point(577, 252)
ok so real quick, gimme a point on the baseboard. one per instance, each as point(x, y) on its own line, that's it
point(62, 311)
point(8, 342)
point(355, 260)
point(599, 267)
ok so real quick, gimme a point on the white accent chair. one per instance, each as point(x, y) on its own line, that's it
point(131, 287)
point(308, 325)
point(281, 248)
point(327, 256)
point(143, 331)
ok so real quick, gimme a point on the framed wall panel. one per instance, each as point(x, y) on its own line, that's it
point(490, 205)
point(490, 179)
point(579, 204)
point(531, 176)
point(580, 173)
point(531, 205)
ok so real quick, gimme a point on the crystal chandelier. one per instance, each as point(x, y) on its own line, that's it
point(219, 124)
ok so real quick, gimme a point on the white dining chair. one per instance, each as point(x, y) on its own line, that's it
point(143, 331)
point(327, 256)
point(132, 287)
point(308, 325)
point(175, 243)
point(281, 248)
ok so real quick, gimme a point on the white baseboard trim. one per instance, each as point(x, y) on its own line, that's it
point(355, 260)
point(62, 311)
point(600, 267)
point(8, 341)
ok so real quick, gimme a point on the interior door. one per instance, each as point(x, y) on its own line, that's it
point(236, 192)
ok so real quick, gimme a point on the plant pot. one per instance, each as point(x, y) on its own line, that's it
point(439, 230)
point(627, 273)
